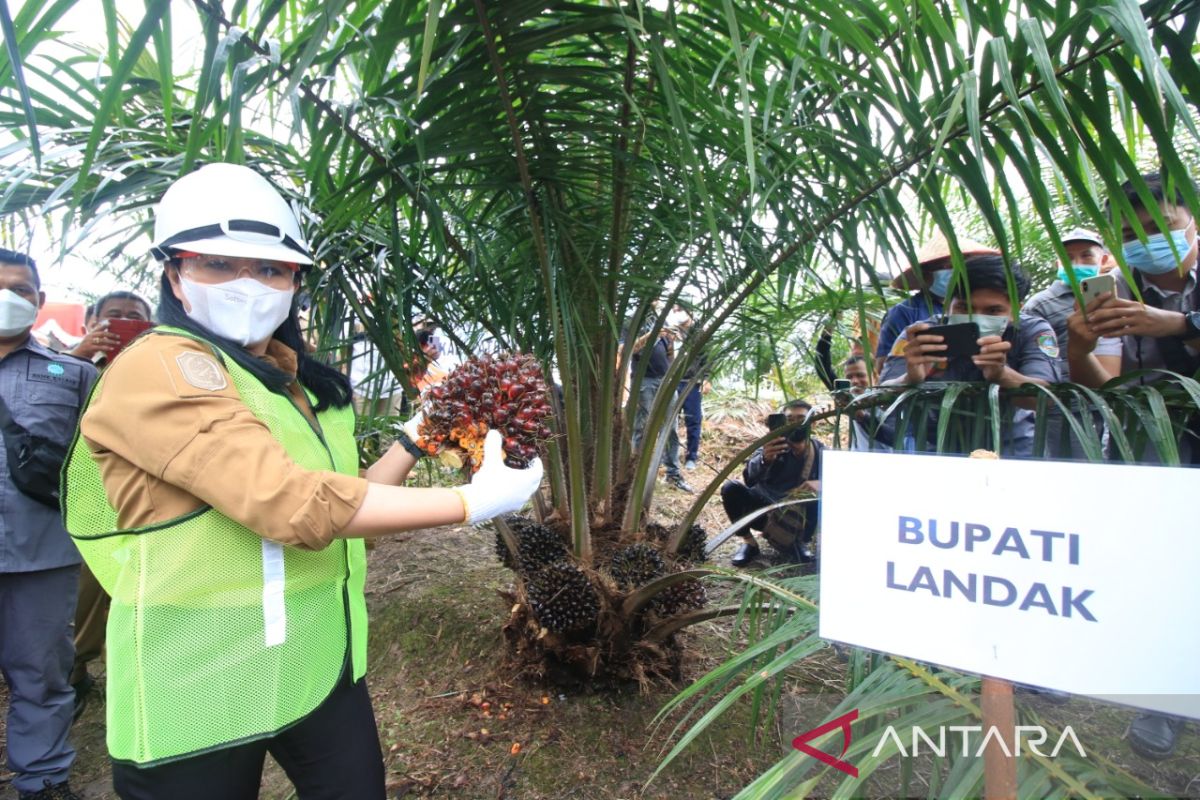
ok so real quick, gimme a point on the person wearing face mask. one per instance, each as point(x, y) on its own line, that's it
point(214, 492)
point(1010, 354)
point(931, 278)
point(1087, 257)
point(42, 392)
point(1118, 335)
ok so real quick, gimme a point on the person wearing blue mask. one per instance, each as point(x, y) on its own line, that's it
point(1117, 335)
point(1010, 355)
point(931, 278)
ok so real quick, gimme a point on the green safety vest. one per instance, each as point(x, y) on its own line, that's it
point(217, 636)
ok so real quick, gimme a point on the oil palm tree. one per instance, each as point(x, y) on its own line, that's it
point(536, 175)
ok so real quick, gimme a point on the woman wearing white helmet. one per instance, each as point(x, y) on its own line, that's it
point(214, 491)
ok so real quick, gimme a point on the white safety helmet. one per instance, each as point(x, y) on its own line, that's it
point(227, 210)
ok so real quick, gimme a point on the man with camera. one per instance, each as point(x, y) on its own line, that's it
point(42, 392)
point(983, 340)
point(785, 466)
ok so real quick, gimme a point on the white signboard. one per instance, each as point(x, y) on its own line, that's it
point(1078, 577)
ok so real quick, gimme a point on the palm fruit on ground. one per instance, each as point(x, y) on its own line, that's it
point(685, 596)
point(635, 565)
point(505, 393)
point(562, 598)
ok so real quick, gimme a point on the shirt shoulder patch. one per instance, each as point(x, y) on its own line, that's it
point(1048, 344)
point(201, 371)
point(898, 347)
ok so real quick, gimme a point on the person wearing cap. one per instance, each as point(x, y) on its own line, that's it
point(214, 491)
point(1010, 355)
point(931, 278)
point(1088, 257)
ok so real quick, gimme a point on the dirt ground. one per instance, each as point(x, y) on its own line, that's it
point(453, 724)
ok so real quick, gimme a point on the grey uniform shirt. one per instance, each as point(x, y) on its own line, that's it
point(44, 391)
point(1054, 304)
point(1144, 352)
point(1034, 354)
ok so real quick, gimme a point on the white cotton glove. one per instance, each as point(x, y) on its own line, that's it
point(412, 427)
point(497, 488)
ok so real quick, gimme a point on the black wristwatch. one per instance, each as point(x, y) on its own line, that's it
point(1191, 322)
point(408, 444)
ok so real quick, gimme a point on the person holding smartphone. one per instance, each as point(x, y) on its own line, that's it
point(214, 490)
point(984, 339)
point(779, 468)
point(104, 338)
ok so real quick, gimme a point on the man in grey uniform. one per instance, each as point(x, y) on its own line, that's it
point(1014, 349)
point(1089, 257)
point(39, 565)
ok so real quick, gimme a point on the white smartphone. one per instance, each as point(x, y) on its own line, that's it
point(1096, 287)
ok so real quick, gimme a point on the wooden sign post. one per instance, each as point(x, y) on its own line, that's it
point(996, 700)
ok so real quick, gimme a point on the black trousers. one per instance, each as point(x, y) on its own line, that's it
point(332, 754)
point(740, 500)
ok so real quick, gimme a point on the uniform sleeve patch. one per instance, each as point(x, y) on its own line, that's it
point(201, 371)
point(898, 346)
point(1048, 344)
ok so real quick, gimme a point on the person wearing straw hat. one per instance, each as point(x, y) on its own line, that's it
point(930, 278)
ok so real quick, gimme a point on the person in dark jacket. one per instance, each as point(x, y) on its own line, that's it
point(779, 468)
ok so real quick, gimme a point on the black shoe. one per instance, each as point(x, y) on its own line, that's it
point(679, 483)
point(745, 554)
point(83, 691)
point(1153, 736)
point(57, 791)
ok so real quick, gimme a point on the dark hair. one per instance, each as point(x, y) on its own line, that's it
point(331, 387)
point(852, 360)
point(1154, 182)
point(21, 260)
point(120, 294)
point(986, 271)
point(797, 403)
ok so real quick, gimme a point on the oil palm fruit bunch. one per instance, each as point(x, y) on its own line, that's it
point(683, 596)
point(635, 565)
point(506, 393)
point(537, 545)
point(693, 548)
point(562, 598)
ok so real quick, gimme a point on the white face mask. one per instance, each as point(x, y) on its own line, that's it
point(17, 314)
point(989, 325)
point(242, 310)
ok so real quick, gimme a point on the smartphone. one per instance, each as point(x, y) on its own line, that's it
point(841, 384)
point(1096, 287)
point(776, 421)
point(126, 330)
point(961, 339)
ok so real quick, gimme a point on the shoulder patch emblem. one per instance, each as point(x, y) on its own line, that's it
point(201, 371)
point(898, 347)
point(1048, 344)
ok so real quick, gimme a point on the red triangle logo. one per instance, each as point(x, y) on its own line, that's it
point(843, 722)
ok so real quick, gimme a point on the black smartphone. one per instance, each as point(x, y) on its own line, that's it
point(961, 339)
point(841, 384)
point(776, 421)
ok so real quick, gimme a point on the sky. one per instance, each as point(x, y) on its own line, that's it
point(75, 278)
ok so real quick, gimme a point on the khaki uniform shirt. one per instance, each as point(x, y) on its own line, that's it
point(168, 440)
